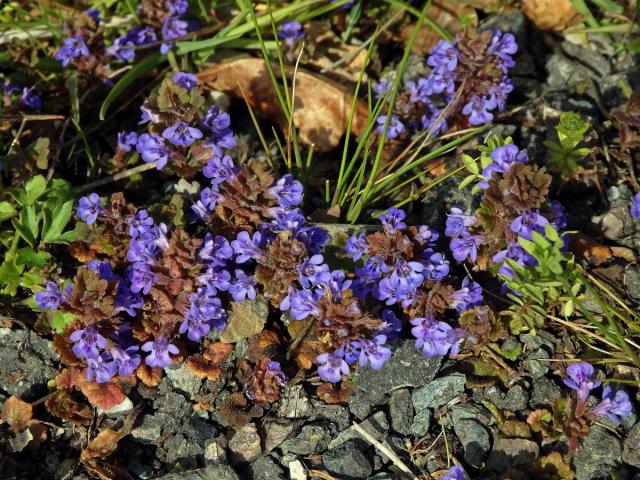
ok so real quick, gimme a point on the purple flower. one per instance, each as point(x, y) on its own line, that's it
point(148, 116)
point(436, 122)
point(247, 247)
point(127, 140)
point(635, 206)
point(172, 28)
point(390, 326)
point(560, 220)
point(87, 343)
point(434, 337)
point(215, 120)
point(242, 287)
point(181, 134)
point(426, 235)
point(382, 88)
point(469, 295)
point(185, 80)
point(527, 223)
point(444, 56)
point(151, 148)
point(420, 91)
point(177, 7)
point(393, 220)
point(396, 127)
point(219, 169)
point(197, 326)
point(123, 48)
point(159, 351)
point(30, 98)
point(215, 278)
point(436, 267)
point(390, 291)
point(141, 277)
point(465, 246)
point(612, 406)
point(337, 284)
point(301, 303)
point(455, 473)
point(142, 251)
point(50, 298)
point(502, 160)
point(499, 93)
point(126, 359)
point(331, 366)
point(457, 222)
point(140, 224)
point(356, 246)
point(503, 45)
point(100, 369)
point(216, 250)
point(373, 353)
point(288, 191)
point(290, 32)
point(313, 271)
point(478, 110)
point(409, 274)
point(94, 13)
point(516, 253)
point(72, 47)
point(89, 208)
point(205, 304)
point(581, 379)
point(274, 370)
point(443, 81)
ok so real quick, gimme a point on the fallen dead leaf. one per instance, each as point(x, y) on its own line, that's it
point(16, 413)
point(335, 394)
point(246, 319)
point(585, 246)
point(208, 365)
point(150, 376)
point(554, 15)
point(103, 395)
point(321, 106)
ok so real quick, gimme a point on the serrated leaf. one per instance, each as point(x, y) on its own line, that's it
point(32, 279)
point(59, 320)
point(511, 353)
point(56, 217)
point(29, 257)
point(7, 211)
point(10, 276)
point(34, 188)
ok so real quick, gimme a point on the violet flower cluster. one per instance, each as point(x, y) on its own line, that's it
point(614, 406)
point(468, 79)
point(15, 98)
point(635, 206)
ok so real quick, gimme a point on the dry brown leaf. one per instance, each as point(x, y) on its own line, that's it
point(62, 404)
point(585, 246)
point(104, 444)
point(16, 413)
point(67, 378)
point(550, 14)
point(102, 395)
point(321, 106)
point(208, 364)
point(150, 376)
point(246, 319)
point(335, 394)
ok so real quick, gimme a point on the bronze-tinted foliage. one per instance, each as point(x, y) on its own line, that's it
point(91, 32)
point(153, 12)
point(237, 410)
point(277, 267)
point(264, 386)
point(390, 246)
point(108, 236)
point(209, 364)
point(481, 327)
point(342, 322)
point(176, 270)
point(263, 345)
point(628, 122)
point(91, 299)
point(332, 393)
point(523, 187)
point(244, 199)
point(436, 300)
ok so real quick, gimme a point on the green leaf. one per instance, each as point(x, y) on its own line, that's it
point(7, 211)
point(56, 217)
point(34, 188)
point(465, 183)
point(567, 308)
point(27, 227)
point(147, 63)
point(32, 279)
point(470, 163)
point(511, 353)
point(10, 276)
point(59, 320)
point(41, 150)
point(29, 257)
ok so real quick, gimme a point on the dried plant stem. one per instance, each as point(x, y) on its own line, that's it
point(385, 450)
point(300, 337)
point(117, 176)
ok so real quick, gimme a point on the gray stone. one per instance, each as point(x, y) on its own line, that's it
point(401, 411)
point(245, 444)
point(219, 472)
point(148, 431)
point(294, 403)
point(508, 453)
point(406, 368)
point(334, 414)
point(536, 368)
point(311, 439)
point(277, 431)
point(439, 392)
point(421, 423)
point(515, 399)
point(631, 453)
point(265, 469)
point(214, 452)
point(347, 461)
point(536, 342)
point(475, 439)
point(184, 379)
point(377, 425)
point(544, 392)
point(598, 455)
point(632, 282)
point(26, 363)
